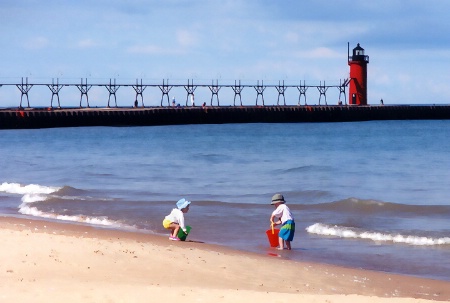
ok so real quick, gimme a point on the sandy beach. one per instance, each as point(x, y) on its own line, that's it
point(56, 262)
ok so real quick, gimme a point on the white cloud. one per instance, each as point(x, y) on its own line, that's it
point(145, 49)
point(87, 43)
point(37, 43)
point(291, 37)
point(322, 52)
point(186, 38)
point(151, 49)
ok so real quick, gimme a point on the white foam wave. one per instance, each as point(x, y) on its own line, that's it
point(33, 211)
point(34, 193)
point(31, 198)
point(31, 193)
point(30, 189)
point(347, 232)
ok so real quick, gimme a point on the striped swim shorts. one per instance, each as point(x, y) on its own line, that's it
point(287, 230)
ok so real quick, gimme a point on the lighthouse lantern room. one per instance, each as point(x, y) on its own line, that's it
point(358, 76)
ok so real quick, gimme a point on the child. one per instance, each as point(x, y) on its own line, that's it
point(283, 216)
point(175, 220)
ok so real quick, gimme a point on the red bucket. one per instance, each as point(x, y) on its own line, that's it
point(272, 235)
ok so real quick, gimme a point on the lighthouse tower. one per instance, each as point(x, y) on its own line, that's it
point(358, 76)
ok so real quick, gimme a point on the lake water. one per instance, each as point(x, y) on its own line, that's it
point(374, 195)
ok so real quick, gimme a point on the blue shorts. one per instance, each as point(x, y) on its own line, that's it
point(287, 230)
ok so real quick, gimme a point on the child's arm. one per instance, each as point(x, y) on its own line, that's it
point(181, 222)
point(272, 218)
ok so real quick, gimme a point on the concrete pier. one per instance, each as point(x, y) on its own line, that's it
point(24, 118)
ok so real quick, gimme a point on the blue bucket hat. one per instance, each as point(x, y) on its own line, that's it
point(183, 203)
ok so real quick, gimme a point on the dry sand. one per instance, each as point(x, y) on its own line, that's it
point(56, 262)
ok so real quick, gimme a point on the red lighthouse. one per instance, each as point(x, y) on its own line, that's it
point(358, 76)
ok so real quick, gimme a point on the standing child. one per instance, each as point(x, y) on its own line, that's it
point(175, 220)
point(282, 215)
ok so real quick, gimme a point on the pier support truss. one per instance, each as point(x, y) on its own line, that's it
point(237, 91)
point(24, 89)
point(112, 89)
point(323, 91)
point(302, 91)
point(84, 89)
point(139, 89)
point(214, 88)
point(55, 88)
point(260, 91)
point(281, 89)
point(165, 89)
point(342, 86)
point(190, 89)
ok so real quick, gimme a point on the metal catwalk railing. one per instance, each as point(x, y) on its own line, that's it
point(139, 87)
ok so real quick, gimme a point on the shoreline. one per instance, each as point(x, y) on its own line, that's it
point(53, 261)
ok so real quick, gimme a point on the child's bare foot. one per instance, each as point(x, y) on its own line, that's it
point(280, 248)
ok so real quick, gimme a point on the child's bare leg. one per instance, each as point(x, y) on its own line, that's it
point(281, 243)
point(175, 227)
point(288, 245)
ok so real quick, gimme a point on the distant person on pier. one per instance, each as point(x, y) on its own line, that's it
point(204, 104)
point(381, 102)
point(135, 103)
point(174, 103)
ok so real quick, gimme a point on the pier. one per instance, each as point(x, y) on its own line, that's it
point(211, 112)
point(75, 117)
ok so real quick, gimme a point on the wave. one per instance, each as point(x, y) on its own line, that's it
point(365, 207)
point(353, 233)
point(70, 191)
point(30, 189)
point(33, 193)
point(302, 168)
point(33, 211)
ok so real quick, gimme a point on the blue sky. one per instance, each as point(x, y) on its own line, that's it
point(408, 43)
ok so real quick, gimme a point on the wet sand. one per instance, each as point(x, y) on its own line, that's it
point(57, 262)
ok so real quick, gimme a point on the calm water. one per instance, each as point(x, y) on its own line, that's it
point(374, 195)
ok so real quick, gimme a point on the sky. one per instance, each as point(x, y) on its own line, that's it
point(408, 43)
